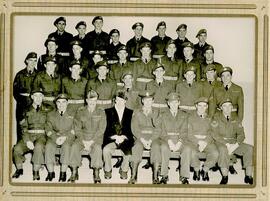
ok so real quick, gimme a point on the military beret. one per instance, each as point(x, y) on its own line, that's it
point(75, 62)
point(162, 23)
point(171, 41)
point(127, 73)
point(137, 24)
point(50, 58)
point(173, 96)
point(188, 44)
point(181, 26)
point(225, 100)
point(97, 18)
point(225, 69)
point(146, 94)
point(209, 47)
point(101, 63)
point(114, 31)
point(59, 19)
point(122, 47)
point(210, 67)
point(191, 68)
point(75, 42)
point(92, 94)
point(145, 44)
point(201, 32)
point(61, 96)
point(51, 39)
point(202, 99)
point(31, 55)
point(80, 23)
point(158, 65)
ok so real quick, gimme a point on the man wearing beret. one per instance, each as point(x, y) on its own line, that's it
point(51, 50)
point(74, 86)
point(97, 39)
point(230, 90)
point(62, 37)
point(114, 46)
point(209, 59)
point(89, 125)
point(60, 133)
point(95, 58)
point(200, 140)
point(133, 45)
point(199, 47)
point(172, 66)
point(33, 136)
point(143, 67)
point(81, 36)
point(181, 32)
point(22, 86)
point(173, 137)
point(228, 132)
point(48, 81)
point(103, 85)
point(118, 135)
point(160, 41)
point(144, 126)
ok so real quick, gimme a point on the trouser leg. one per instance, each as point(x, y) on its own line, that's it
point(50, 150)
point(108, 150)
point(212, 155)
point(96, 156)
point(18, 153)
point(75, 157)
point(38, 152)
point(185, 161)
point(165, 158)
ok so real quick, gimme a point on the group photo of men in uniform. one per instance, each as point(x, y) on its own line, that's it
point(90, 95)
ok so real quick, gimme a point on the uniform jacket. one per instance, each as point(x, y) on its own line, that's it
point(179, 48)
point(159, 44)
point(198, 51)
point(194, 62)
point(117, 70)
point(112, 51)
point(208, 88)
point(96, 41)
point(61, 63)
point(63, 41)
point(133, 46)
point(74, 89)
point(173, 68)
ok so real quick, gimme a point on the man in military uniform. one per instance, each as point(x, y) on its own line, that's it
point(89, 125)
point(188, 50)
point(144, 128)
point(97, 39)
point(160, 41)
point(174, 133)
point(201, 45)
point(118, 135)
point(22, 85)
point(209, 59)
point(48, 81)
point(143, 67)
point(114, 46)
point(230, 90)
point(228, 132)
point(62, 37)
point(81, 36)
point(60, 133)
point(74, 86)
point(189, 90)
point(200, 140)
point(33, 136)
point(133, 45)
point(96, 57)
point(104, 86)
point(181, 32)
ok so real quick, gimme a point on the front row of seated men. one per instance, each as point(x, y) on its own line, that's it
point(99, 132)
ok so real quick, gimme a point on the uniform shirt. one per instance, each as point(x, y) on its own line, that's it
point(179, 48)
point(203, 68)
point(146, 127)
point(74, 89)
point(189, 94)
point(63, 41)
point(83, 44)
point(200, 126)
point(90, 125)
point(159, 45)
point(174, 128)
point(61, 64)
point(224, 131)
point(133, 46)
point(193, 62)
point(173, 68)
point(118, 70)
point(97, 41)
point(235, 93)
point(57, 125)
point(112, 51)
point(199, 50)
point(208, 88)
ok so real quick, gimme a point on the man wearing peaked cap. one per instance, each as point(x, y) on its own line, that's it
point(226, 69)
point(181, 32)
point(134, 43)
point(159, 42)
point(228, 132)
point(114, 45)
point(62, 37)
point(81, 28)
point(201, 45)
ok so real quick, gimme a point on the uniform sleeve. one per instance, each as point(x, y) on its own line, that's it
point(78, 126)
point(157, 127)
point(135, 125)
point(49, 128)
point(24, 128)
point(16, 87)
point(184, 130)
point(240, 133)
point(190, 133)
point(163, 135)
point(101, 129)
point(214, 132)
point(241, 105)
point(36, 83)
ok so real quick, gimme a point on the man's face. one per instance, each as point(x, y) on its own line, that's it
point(161, 30)
point(122, 54)
point(211, 75)
point(227, 108)
point(174, 104)
point(61, 25)
point(81, 29)
point(146, 51)
point(61, 105)
point(102, 71)
point(98, 24)
point(51, 46)
point(128, 79)
point(171, 49)
point(138, 31)
point(76, 49)
point(226, 77)
point(97, 58)
point(92, 102)
point(148, 102)
point(202, 37)
point(182, 33)
point(115, 37)
point(37, 98)
point(31, 63)
point(50, 67)
point(190, 76)
point(75, 70)
point(201, 108)
point(159, 72)
point(209, 55)
point(188, 51)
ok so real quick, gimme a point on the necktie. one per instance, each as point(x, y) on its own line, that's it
point(187, 60)
point(38, 107)
point(189, 85)
point(201, 116)
point(227, 118)
point(51, 75)
point(61, 113)
point(159, 83)
point(127, 89)
point(145, 61)
point(210, 82)
point(226, 87)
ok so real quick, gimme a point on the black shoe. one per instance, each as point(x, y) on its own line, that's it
point(63, 176)
point(224, 180)
point(184, 180)
point(97, 179)
point(196, 176)
point(164, 179)
point(155, 181)
point(17, 173)
point(205, 176)
point(36, 175)
point(50, 176)
point(74, 175)
point(232, 170)
point(248, 180)
point(123, 175)
point(147, 165)
point(118, 162)
point(132, 181)
point(107, 175)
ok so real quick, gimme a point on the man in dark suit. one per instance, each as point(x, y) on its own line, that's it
point(181, 32)
point(201, 45)
point(118, 135)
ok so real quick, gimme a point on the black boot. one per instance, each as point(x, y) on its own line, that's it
point(134, 170)
point(63, 176)
point(205, 176)
point(96, 176)
point(74, 175)
point(155, 174)
point(123, 175)
point(17, 173)
point(118, 162)
point(50, 176)
point(232, 170)
point(36, 175)
point(224, 180)
point(215, 168)
point(248, 180)
point(184, 180)
point(164, 179)
point(196, 176)
point(108, 175)
point(147, 165)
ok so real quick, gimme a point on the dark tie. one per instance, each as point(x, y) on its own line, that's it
point(61, 113)
point(38, 107)
point(210, 82)
point(145, 61)
point(227, 118)
point(159, 83)
point(226, 87)
point(127, 89)
point(187, 60)
point(189, 85)
point(201, 116)
point(51, 76)
point(122, 64)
